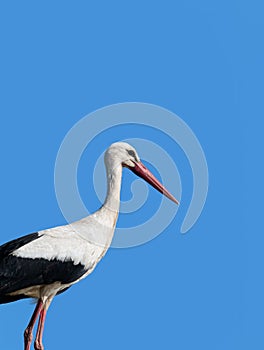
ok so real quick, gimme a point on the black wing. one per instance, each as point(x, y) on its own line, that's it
point(9, 247)
point(17, 273)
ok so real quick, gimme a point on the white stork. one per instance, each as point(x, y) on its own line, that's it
point(43, 264)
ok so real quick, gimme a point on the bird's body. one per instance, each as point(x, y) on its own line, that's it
point(46, 263)
point(54, 259)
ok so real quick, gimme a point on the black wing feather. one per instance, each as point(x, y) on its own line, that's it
point(9, 247)
point(18, 273)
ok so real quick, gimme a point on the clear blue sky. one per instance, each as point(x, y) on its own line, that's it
point(62, 60)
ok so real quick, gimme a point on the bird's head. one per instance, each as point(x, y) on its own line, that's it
point(122, 153)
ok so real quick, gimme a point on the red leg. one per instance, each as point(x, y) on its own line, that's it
point(38, 342)
point(28, 331)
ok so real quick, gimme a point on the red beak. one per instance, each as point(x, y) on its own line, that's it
point(143, 172)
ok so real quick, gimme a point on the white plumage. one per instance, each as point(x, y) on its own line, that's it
point(45, 263)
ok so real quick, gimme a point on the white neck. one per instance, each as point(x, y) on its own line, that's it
point(99, 227)
point(112, 200)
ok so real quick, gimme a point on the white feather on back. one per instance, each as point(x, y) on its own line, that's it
point(84, 241)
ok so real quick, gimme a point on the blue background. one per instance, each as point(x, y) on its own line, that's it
point(61, 60)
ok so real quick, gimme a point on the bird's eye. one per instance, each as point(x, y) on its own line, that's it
point(131, 153)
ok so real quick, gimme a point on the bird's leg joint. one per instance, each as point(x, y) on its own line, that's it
point(28, 337)
point(28, 334)
point(38, 345)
